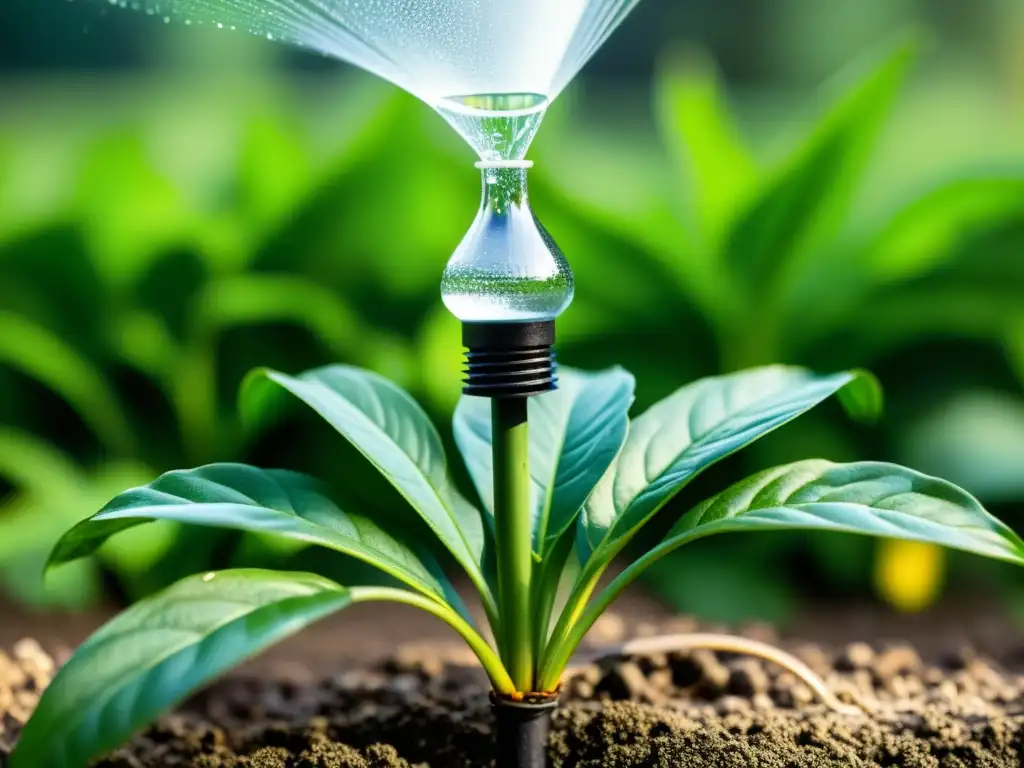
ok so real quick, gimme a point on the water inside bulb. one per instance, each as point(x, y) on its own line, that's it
point(507, 268)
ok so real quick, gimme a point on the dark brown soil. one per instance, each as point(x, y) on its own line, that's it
point(428, 706)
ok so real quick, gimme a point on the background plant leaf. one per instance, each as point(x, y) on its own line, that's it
point(927, 233)
point(698, 129)
point(38, 353)
point(810, 193)
point(253, 299)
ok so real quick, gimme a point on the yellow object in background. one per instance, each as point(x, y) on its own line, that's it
point(909, 574)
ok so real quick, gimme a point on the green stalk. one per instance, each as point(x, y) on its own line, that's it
point(490, 661)
point(576, 623)
point(546, 579)
point(573, 609)
point(513, 532)
point(559, 655)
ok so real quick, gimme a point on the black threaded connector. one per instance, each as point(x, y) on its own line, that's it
point(509, 359)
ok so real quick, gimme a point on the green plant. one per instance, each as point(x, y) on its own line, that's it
point(284, 256)
point(597, 480)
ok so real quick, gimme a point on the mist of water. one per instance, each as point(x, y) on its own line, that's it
point(455, 55)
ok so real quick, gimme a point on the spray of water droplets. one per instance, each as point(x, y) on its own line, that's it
point(438, 50)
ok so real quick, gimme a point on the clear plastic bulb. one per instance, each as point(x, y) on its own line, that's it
point(507, 268)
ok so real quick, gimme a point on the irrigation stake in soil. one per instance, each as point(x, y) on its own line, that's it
point(522, 729)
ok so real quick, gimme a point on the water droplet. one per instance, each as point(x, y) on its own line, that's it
point(209, 576)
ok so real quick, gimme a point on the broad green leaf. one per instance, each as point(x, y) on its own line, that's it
point(809, 195)
point(160, 650)
point(37, 352)
point(129, 211)
point(575, 434)
point(275, 170)
point(975, 439)
point(697, 126)
point(700, 425)
point(34, 466)
point(251, 299)
point(869, 498)
point(391, 430)
point(278, 502)
point(930, 231)
point(974, 292)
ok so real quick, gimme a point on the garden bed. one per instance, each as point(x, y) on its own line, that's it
point(427, 705)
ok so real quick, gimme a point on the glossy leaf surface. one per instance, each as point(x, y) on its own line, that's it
point(866, 498)
point(870, 498)
point(700, 425)
point(276, 502)
point(394, 433)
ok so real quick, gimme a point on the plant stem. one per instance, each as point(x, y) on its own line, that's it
point(568, 633)
point(513, 534)
point(490, 661)
point(546, 581)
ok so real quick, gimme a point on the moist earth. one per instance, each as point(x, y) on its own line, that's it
point(428, 706)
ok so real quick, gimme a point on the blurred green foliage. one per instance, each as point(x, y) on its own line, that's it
point(128, 322)
point(147, 264)
point(750, 264)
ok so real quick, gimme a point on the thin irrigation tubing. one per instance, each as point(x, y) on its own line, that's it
point(720, 643)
